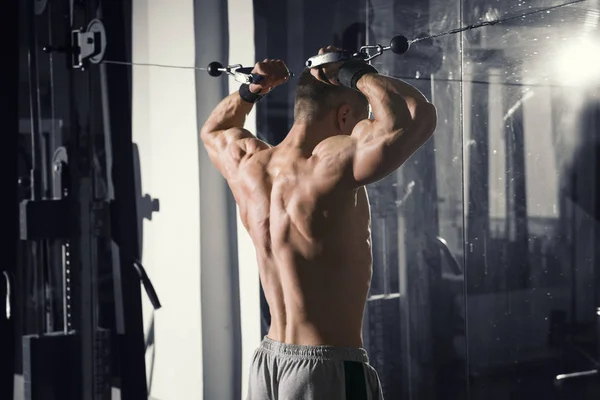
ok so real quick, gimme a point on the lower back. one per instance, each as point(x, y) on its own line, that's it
point(320, 302)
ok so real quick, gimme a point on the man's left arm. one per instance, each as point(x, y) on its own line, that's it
point(223, 134)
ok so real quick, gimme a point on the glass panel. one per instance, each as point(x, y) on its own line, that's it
point(531, 128)
point(499, 205)
point(414, 326)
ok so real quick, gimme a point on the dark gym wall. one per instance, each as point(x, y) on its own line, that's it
point(9, 100)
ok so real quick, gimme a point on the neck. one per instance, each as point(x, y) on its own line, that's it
point(307, 135)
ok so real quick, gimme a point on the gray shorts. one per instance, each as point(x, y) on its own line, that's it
point(282, 371)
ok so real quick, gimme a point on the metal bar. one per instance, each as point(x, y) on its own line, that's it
point(115, 84)
point(595, 127)
point(87, 307)
point(34, 105)
point(65, 285)
point(386, 296)
point(82, 268)
point(518, 268)
point(36, 162)
point(563, 377)
point(477, 218)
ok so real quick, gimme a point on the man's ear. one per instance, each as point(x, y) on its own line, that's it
point(344, 115)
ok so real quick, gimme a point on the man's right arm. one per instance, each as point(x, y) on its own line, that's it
point(403, 121)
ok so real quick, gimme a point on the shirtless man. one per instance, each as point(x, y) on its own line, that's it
point(306, 209)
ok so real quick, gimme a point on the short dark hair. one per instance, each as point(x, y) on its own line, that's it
point(315, 99)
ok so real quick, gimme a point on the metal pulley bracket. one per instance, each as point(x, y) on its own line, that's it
point(88, 45)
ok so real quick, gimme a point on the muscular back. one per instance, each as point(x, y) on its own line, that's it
point(308, 214)
point(313, 246)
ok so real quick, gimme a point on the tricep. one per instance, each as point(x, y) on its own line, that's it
point(229, 148)
point(382, 148)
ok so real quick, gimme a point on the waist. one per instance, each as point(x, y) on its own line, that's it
point(303, 352)
point(343, 329)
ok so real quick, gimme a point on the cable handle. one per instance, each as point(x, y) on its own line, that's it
point(247, 72)
point(332, 57)
point(398, 45)
point(240, 73)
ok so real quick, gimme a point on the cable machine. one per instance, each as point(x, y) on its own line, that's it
point(73, 289)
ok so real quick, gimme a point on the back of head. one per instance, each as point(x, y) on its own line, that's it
point(315, 99)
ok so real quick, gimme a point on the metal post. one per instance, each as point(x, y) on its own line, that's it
point(115, 92)
point(36, 162)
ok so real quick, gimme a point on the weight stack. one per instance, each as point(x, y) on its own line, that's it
point(49, 367)
point(52, 371)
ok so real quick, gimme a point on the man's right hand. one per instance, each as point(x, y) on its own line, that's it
point(328, 73)
point(402, 121)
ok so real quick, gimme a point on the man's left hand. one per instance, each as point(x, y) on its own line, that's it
point(275, 72)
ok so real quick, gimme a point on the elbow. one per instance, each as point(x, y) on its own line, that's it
point(207, 136)
point(206, 132)
point(426, 118)
point(418, 116)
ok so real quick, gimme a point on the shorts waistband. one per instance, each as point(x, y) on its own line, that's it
point(325, 353)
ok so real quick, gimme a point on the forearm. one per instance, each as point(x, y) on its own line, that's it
point(230, 113)
point(395, 104)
